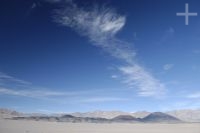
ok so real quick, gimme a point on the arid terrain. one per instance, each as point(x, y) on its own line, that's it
point(23, 126)
point(12, 121)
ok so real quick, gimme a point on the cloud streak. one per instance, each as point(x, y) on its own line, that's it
point(7, 78)
point(100, 25)
point(167, 67)
point(33, 93)
point(62, 96)
point(195, 95)
point(103, 99)
point(41, 93)
point(135, 75)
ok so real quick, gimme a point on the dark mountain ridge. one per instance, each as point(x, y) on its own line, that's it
point(158, 117)
point(125, 118)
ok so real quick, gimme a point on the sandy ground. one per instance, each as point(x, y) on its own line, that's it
point(21, 126)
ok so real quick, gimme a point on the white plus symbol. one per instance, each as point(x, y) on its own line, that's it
point(186, 14)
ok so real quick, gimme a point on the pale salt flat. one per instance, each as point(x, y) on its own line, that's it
point(22, 126)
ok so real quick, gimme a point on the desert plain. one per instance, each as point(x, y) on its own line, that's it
point(25, 126)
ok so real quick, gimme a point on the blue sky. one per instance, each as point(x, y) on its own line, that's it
point(66, 56)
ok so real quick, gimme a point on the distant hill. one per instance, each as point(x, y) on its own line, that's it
point(108, 116)
point(8, 113)
point(102, 114)
point(160, 117)
point(65, 118)
point(156, 117)
point(140, 114)
point(187, 115)
point(125, 118)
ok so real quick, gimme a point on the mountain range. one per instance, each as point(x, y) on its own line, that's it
point(156, 117)
point(187, 115)
point(108, 116)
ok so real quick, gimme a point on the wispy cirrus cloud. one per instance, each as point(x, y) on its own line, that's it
point(62, 97)
point(32, 93)
point(114, 76)
point(100, 25)
point(103, 99)
point(7, 78)
point(167, 67)
point(168, 35)
point(196, 51)
point(147, 84)
point(194, 95)
point(41, 92)
point(56, 1)
point(7, 83)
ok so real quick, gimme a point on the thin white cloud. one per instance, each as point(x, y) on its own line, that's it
point(46, 94)
point(182, 104)
point(135, 36)
point(168, 66)
point(7, 78)
point(170, 30)
point(194, 95)
point(41, 93)
point(103, 99)
point(32, 93)
point(136, 76)
point(196, 51)
point(45, 111)
point(100, 25)
point(34, 5)
point(168, 34)
point(56, 1)
point(114, 76)
point(62, 97)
